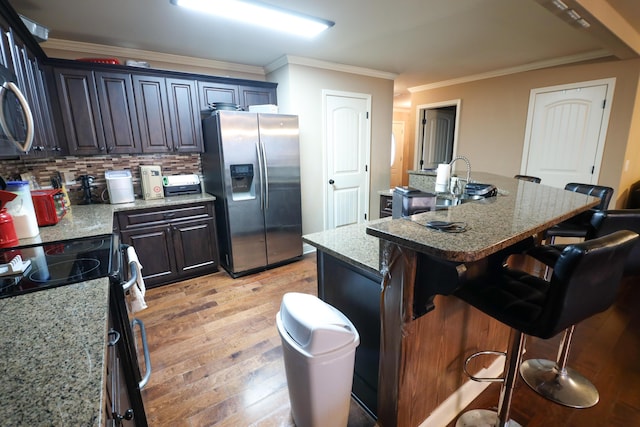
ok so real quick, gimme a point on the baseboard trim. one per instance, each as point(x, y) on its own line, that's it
point(462, 397)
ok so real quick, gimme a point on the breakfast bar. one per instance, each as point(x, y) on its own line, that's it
point(425, 333)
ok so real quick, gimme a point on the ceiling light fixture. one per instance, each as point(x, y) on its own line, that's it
point(262, 14)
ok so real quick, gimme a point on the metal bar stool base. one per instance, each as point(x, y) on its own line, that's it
point(482, 418)
point(569, 388)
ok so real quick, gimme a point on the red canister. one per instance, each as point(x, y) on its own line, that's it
point(8, 236)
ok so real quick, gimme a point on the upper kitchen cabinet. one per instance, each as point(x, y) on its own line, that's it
point(257, 95)
point(98, 111)
point(118, 112)
point(184, 115)
point(168, 114)
point(211, 92)
point(152, 106)
point(80, 111)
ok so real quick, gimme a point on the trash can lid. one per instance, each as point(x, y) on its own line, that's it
point(315, 325)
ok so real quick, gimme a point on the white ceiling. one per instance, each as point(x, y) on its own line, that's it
point(421, 41)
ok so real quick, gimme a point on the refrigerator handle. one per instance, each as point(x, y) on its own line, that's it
point(261, 174)
point(266, 177)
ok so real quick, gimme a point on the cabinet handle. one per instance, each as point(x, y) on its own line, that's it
point(116, 337)
point(169, 215)
point(101, 148)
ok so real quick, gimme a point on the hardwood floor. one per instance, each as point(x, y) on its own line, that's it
point(217, 358)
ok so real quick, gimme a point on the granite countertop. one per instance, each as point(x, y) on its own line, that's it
point(350, 244)
point(52, 343)
point(519, 210)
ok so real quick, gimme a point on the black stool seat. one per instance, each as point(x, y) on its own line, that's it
point(585, 281)
point(580, 225)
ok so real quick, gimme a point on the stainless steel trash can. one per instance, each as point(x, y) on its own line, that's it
point(319, 345)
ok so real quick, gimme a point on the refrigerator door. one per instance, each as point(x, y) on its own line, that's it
point(240, 144)
point(282, 205)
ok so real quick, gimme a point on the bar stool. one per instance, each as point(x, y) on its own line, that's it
point(528, 178)
point(585, 281)
point(554, 380)
point(579, 225)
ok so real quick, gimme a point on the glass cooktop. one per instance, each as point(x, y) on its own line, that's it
point(48, 265)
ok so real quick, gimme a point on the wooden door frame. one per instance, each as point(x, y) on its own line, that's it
point(610, 83)
point(325, 177)
point(450, 103)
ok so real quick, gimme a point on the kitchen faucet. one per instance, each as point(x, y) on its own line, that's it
point(468, 166)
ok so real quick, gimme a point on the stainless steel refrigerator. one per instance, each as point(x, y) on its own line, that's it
point(251, 164)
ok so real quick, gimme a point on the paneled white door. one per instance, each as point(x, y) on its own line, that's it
point(566, 131)
point(347, 154)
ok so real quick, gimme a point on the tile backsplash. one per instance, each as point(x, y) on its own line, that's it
point(43, 170)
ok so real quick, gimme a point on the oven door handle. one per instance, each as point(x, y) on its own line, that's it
point(133, 271)
point(145, 349)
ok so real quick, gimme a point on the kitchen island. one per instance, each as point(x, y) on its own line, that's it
point(53, 342)
point(425, 333)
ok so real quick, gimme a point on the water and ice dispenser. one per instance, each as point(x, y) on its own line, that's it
point(242, 183)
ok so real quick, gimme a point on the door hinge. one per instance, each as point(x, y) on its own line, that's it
point(365, 217)
point(366, 168)
point(604, 102)
point(593, 168)
point(367, 115)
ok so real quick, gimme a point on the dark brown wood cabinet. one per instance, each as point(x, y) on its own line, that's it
point(172, 243)
point(152, 106)
point(184, 115)
point(80, 111)
point(118, 112)
point(256, 95)
point(210, 92)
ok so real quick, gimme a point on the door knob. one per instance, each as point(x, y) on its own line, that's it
point(331, 182)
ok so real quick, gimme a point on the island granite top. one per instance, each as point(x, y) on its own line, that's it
point(520, 209)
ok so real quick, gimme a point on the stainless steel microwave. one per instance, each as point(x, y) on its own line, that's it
point(16, 120)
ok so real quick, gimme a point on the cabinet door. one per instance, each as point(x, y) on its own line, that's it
point(250, 95)
point(196, 247)
point(53, 145)
point(152, 107)
point(217, 92)
point(154, 247)
point(184, 115)
point(80, 112)
point(118, 112)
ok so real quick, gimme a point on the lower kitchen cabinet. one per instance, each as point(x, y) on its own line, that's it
point(172, 243)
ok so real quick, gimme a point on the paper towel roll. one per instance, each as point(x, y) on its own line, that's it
point(442, 177)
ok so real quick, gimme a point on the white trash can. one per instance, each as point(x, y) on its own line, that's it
point(319, 346)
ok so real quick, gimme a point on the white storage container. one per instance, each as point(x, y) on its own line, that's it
point(120, 186)
point(319, 345)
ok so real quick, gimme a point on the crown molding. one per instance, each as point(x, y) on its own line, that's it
point(112, 51)
point(514, 70)
point(332, 66)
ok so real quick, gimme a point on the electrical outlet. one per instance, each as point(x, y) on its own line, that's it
point(69, 178)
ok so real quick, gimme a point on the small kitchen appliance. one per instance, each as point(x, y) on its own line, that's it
point(50, 206)
point(22, 211)
point(120, 186)
point(408, 201)
point(151, 177)
point(176, 185)
point(8, 236)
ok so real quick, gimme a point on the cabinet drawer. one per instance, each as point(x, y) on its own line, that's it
point(145, 217)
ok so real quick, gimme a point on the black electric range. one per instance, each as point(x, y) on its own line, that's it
point(60, 263)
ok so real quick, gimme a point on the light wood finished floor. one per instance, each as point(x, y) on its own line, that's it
point(217, 359)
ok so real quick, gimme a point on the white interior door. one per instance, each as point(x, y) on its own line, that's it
point(439, 126)
point(347, 155)
point(566, 131)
